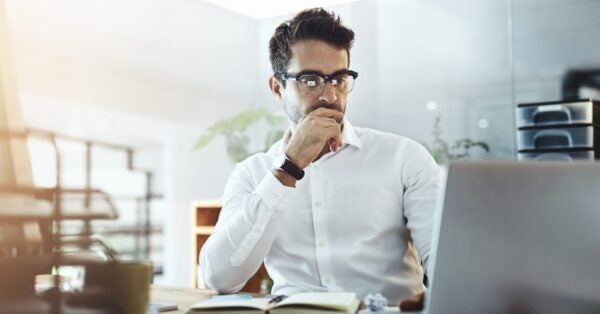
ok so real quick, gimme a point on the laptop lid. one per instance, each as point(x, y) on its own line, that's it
point(518, 237)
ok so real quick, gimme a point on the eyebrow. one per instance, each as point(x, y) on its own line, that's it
point(307, 72)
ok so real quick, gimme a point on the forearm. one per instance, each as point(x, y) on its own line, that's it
point(243, 236)
point(225, 264)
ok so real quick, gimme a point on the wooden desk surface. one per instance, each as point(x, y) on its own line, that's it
point(183, 297)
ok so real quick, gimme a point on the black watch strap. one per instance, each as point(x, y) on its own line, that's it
point(293, 170)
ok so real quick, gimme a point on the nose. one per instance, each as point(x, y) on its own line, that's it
point(329, 94)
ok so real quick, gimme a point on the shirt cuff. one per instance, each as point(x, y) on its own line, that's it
point(272, 191)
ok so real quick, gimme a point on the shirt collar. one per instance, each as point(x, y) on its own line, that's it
point(349, 135)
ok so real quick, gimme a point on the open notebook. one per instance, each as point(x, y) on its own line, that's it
point(309, 302)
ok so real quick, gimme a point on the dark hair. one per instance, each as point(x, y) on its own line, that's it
point(314, 23)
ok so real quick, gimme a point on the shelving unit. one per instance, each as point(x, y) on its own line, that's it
point(204, 218)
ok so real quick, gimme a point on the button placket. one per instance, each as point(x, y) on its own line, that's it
point(322, 252)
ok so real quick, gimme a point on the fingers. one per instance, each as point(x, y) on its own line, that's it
point(324, 128)
point(320, 127)
point(328, 113)
point(413, 304)
point(335, 143)
point(334, 137)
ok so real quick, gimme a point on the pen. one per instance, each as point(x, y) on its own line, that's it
point(277, 299)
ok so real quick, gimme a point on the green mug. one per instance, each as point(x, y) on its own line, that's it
point(127, 284)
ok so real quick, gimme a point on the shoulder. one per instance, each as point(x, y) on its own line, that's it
point(405, 151)
point(372, 137)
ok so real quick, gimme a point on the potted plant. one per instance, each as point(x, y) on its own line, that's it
point(444, 153)
point(235, 131)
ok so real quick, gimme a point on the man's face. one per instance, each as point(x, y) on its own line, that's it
point(319, 57)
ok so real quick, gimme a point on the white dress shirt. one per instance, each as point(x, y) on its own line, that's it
point(360, 220)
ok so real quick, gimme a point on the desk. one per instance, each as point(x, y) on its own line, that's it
point(183, 297)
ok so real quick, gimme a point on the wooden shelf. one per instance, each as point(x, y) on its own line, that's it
point(205, 230)
point(204, 217)
point(208, 204)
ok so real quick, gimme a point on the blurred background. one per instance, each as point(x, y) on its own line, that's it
point(131, 87)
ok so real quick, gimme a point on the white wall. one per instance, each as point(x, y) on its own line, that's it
point(454, 53)
point(141, 73)
point(551, 39)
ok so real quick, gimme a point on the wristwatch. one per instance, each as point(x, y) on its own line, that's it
point(284, 163)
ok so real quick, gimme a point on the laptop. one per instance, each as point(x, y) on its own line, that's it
point(518, 237)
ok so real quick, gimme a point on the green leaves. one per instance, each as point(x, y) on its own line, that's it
point(443, 153)
point(234, 131)
point(272, 137)
point(237, 146)
point(275, 120)
point(222, 127)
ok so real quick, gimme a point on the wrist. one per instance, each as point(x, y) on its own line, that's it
point(285, 164)
point(296, 161)
point(284, 177)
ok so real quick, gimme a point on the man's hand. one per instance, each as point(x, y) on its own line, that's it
point(415, 303)
point(319, 128)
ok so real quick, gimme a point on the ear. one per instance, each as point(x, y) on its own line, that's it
point(276, 87)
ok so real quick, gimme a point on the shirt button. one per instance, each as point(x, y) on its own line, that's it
point(321, 243)
point(317, 204)
point(326, 281)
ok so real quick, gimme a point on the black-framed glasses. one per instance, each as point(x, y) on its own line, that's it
point(313, 83)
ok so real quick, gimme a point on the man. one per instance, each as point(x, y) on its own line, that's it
point(330, 207)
